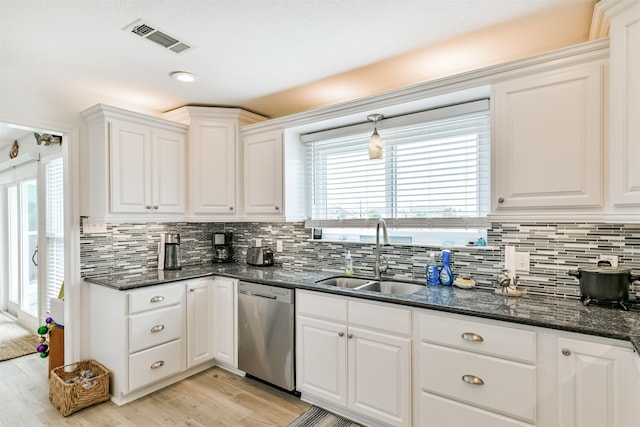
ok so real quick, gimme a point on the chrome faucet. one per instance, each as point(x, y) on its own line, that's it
point(381, 267)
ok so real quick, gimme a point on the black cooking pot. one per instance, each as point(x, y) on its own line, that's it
point(604, 283)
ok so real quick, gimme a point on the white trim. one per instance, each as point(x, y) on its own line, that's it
point(17, 161)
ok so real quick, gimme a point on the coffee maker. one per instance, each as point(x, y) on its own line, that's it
point(169, 252)
point(222, 247)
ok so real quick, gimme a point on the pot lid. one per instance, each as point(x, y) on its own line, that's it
point(606, 270)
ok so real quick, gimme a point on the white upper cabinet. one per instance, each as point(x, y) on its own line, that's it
point(263, 165)
point(625, 103)
point(548, 139)
point(214, 160)
point(135, 166)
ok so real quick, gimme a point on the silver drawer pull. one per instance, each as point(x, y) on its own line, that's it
point(157, 299)
point(566, 352)
point(157, 364)
point(472, 379)
point(157, 328)
point(470, 336)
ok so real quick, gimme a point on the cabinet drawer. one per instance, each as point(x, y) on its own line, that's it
point(154, 364)
point(155, 297)
point(154, 327)
point(508, 387)
point(384, 318)
point(438, 411)
point(500, 341)
point(322, 306)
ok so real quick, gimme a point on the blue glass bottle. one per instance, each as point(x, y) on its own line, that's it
point(431, 271)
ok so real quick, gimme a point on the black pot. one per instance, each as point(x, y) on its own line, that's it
point(610, 284)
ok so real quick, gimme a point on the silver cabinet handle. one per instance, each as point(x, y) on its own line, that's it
point(470, 336)
point(157, 328)
point(148, 206)
point(157, 364)
point(566, 352)
point(277, 208)
point(472, 379)
point(155, 207)
point(230, 208)
point(350, 336)
point(340, 334)
point(501, 200)
point(157, 299)
point(192, 290)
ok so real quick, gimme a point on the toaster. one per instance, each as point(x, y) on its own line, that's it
point(260, 256)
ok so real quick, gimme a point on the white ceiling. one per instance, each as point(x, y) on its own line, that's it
point(269, 56)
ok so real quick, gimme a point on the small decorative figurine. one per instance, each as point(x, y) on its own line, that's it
point(507, 282)
point(43, 331)
point(14, 150)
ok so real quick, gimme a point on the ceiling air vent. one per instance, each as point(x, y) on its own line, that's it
point(151, 33)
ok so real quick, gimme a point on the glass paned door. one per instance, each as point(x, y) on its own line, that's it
point(23, 253)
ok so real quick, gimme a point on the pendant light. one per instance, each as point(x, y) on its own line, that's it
point(375, 142)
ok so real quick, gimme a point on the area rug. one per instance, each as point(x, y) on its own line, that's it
point(16, 341)
point(316, 417)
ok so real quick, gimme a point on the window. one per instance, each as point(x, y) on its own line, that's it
point(54, 229)
point(434, 172)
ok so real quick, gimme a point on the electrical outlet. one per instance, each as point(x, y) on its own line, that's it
point(93, 228)
point(613, 259)
point(523, 260)
point(279, 245)
point(258, 243)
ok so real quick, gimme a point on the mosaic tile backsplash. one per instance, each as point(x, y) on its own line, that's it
point(554, 250)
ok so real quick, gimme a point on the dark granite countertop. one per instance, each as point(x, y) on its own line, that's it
point(548, 312)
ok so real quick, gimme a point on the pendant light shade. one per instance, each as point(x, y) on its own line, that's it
point(375, 141)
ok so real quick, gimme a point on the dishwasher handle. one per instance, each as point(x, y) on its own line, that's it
point(253, 294)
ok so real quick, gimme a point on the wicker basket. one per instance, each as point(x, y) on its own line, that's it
point(71, 397)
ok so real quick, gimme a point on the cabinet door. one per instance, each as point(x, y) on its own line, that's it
point(167, 182)
point(625, 106)
point(548, 139)
point(321, 360)
point(379, 376)
point(199, 322)
point(263, 174)
point(224, 320)
point(212, 167)
point(130, 167)
point(596, 385)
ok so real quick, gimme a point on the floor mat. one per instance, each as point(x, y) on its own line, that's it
point(16, 341)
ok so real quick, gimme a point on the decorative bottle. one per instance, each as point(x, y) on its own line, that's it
point(348, 264)
point(433, 276)
point(446, 275)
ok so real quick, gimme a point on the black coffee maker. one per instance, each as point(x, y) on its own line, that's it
point(222, 247)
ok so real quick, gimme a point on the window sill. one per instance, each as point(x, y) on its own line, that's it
point(417, 245)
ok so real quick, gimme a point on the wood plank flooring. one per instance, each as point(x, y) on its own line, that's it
point(212, 398)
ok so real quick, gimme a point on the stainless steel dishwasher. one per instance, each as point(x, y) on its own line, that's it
point(265, 333)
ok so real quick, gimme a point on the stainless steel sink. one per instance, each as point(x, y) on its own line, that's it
point(363, 284)
point(391, 287)
point(344, 282)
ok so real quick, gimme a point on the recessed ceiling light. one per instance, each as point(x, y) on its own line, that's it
point(183, 76)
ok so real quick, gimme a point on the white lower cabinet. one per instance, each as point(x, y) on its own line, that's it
point(200, 312)
point(224, 321)
point(467, 369)
point(160, 334)
point(597, 385)
point(354, 357)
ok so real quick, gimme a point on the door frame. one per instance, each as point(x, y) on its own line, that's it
point(71, 177)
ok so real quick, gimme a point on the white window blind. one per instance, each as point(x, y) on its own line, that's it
point(54, 228)
point(434, 173)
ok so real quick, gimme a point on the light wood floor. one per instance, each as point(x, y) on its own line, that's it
point(212, 398)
